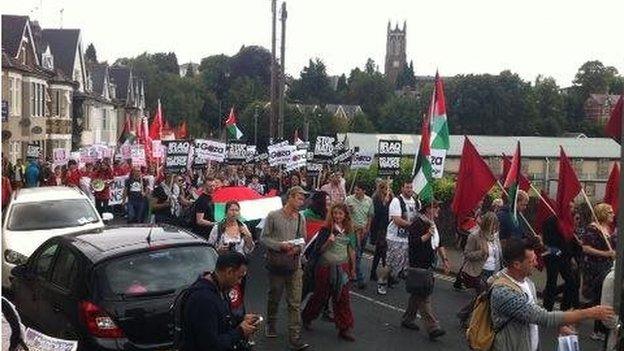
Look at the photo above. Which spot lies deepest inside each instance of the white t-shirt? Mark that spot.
(533, 327)
(491, 263)
(395, 210)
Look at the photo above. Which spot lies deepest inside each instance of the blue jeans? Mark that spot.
(135, 211)
(359, 274)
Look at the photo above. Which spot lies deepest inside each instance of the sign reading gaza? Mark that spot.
(389, 157)
(177, 154)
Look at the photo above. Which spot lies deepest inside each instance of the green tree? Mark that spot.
(406, 77)
(369, 89)
(550, 106)
(313, 85)
(342, 89)
(594, 78)
(215, 74)
(401, 114)
(165, 62)
(360, 123)
(190, 73)
(254, 62)
(90, 54)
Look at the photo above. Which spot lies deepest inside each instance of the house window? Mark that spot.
(57, 102)
(104, 119)
(11, 95)
(32, 99)
(17, 101)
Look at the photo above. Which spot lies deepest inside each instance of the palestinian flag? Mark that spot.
(512, 182)
(230, 124)
(253, 205)
(422, 170)
(127, 135)
(437, 112)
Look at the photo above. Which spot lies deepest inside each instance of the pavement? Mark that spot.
(377, 318)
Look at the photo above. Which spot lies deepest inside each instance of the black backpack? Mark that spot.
(177, 309)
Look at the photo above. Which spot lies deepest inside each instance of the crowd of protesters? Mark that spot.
(401, 230)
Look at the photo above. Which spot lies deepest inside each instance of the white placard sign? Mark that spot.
(59, 156)
(33, 151)
(297, 160)
(324, 146)
(209, 150)
(280, 155)
(437, 158)
(117, 190)
(362, 160)
(389, 157)
(137, 154)
(157, 149)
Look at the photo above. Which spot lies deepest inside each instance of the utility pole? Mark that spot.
(282, 82)
(273, 113)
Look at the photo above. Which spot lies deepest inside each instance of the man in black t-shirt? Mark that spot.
(204, 210)
(134, 196)
(160, 201)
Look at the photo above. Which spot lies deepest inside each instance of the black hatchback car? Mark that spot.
(112, 289)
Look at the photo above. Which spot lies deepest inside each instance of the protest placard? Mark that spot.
(314, 169)
(209, 150)
(389, 157)
(117, 190)
(362, 160)
(59, 156)
(178, 152)
(324, 148)
(137, 154)
(236, 153)
(33, 151)
(280, 154)
(252, 150)
(157, 149)
(297, 160)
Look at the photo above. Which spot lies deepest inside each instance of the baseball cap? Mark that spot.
(296, 190)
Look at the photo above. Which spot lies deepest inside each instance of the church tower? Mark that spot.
(395, 52)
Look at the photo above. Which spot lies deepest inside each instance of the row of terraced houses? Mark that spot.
(53, 98)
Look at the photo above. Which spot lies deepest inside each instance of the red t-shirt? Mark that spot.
(73, 178)
(105, 175)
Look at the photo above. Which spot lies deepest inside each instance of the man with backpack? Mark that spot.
(204, 320)
(508, 317)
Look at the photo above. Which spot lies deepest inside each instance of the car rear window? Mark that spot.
(51, 214)
(158, 272)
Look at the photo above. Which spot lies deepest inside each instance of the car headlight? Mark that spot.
(14, 257)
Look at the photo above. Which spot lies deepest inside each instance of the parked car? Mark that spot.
(36, 214)
(112, 289)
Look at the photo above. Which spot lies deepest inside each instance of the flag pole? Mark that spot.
(353, 181)
(542, 199)
(591, 208)
(520, 213)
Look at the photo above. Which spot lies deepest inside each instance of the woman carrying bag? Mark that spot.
(334, 249)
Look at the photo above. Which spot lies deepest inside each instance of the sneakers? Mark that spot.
(298, 345)
(381, 289)
(346, 335)
(270, 331)
(597, 336)
(436, 334)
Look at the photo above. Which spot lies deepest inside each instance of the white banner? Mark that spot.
(437, 158)
(209, 150)
(157, 149)
(324, 146)
(362, 160)
(117, 190)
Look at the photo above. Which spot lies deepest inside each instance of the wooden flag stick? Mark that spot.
(520, 213)
(591, 208)
(542, 199)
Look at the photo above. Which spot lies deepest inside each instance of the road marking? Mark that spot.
(377, 302)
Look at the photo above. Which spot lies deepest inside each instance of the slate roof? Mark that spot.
(97, 72)
(120, 75)
(12, 30)
(63, 45)
(494, 146)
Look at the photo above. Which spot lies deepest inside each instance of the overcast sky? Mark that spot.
(529, 37)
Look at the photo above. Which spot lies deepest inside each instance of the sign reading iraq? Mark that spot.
(389, 157)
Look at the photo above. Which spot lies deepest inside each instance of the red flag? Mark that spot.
(523, 181)
(474, 180)
(182, 131)
(545, 207)
(155, 130)
(568, 187)
(613, 188)
(614, 125)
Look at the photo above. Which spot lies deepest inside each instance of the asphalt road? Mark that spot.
(377, 319)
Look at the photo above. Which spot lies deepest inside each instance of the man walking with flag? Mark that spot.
(518, 200)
